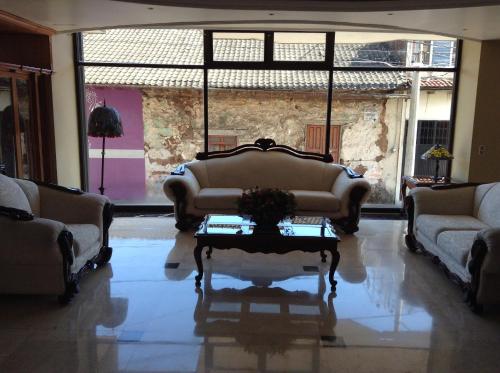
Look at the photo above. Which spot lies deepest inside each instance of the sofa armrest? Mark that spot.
(36, 240)
(72, 208)
(343, 188)
(490, 240)
(455, 201)
(177, 184)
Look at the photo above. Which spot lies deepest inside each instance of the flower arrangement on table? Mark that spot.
(438, 153)
(266, 207)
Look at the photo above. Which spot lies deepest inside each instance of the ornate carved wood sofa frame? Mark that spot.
(459, 226)
(213, 183)
(49, 243)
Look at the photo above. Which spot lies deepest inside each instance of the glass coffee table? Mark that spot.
(303, 233)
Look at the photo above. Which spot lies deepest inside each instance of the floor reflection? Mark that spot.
(46, 337)
(255, 328)
(394, 312)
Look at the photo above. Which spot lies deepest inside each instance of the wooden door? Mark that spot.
(315, 140)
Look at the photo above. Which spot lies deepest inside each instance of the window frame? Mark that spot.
(268, 64)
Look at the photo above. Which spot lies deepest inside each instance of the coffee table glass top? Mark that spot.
(300, 226)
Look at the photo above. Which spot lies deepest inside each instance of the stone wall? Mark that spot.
(370, 136)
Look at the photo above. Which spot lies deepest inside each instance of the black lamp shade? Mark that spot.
(105, 121)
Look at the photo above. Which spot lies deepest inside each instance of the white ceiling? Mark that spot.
(477, 22)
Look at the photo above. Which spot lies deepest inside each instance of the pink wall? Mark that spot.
(125, 170)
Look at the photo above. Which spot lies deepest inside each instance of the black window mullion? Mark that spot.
(329, 48)
(268, 48)
(208, 55)
(208, 46)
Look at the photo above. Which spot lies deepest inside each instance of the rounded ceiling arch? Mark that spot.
(320, 5)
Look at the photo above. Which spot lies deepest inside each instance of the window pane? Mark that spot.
(380, 50)
(158, 46)
(7, 129)
(380, 136)
(299, 46)
(250, 104)
(162, 118)
(26, 132)
(238, 47)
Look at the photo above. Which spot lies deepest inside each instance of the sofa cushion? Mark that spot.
(32, 192)
(218, 198)
(269, 169)
(457, 244)
(432, 225)
(85, 237)
(11, 195)
(308, 200)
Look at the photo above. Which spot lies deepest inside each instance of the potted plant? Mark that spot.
(266, 207)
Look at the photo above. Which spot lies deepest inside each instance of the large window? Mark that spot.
(382, 98)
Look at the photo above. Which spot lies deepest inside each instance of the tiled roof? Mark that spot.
(436, 83)
(167, 46)
(247, 79)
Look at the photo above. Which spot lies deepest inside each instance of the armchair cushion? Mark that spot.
(432, 225)
(457, 244)
(218, 198)
(11, 195)
(31, 191)
(308, 200)
(85, 237)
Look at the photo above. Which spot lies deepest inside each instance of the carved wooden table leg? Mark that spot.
(323, 256)
(199, 263)
(209, 252)
(333, 267)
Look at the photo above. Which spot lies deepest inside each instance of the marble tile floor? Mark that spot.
(393, 312)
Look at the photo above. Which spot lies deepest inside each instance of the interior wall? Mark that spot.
(485, 165)
(466, 107)
(65, 111)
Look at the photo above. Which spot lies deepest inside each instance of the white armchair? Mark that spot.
(49, 236)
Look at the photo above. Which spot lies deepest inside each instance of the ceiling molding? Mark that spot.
(277, 25)
(319, 5)
(17, 24)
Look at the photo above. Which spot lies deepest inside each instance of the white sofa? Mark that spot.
(460, 226)
(214, 185)
(49, 235)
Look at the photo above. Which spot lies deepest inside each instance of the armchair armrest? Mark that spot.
(34, 241)
(72, 208)
(454, 201)
(16, 214)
